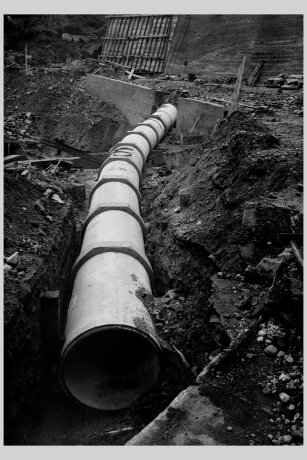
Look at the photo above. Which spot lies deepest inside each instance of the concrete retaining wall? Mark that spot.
(135, 102)
(188, 112)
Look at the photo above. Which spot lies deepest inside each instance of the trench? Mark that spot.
(42, 413)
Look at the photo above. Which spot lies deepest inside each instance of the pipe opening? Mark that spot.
(110, 368)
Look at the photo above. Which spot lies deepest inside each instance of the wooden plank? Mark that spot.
(255, 74)
(12, 158)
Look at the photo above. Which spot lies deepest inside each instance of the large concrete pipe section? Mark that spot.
(111, 353)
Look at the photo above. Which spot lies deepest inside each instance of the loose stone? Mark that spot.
(270, 350)
(284, 397)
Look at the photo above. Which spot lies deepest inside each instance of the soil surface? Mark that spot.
(209, 224)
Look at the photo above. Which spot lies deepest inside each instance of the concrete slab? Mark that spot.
(211, 414)
(204, 114)
(189, 420)
(135, 102)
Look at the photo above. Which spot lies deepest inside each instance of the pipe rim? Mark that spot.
(108, 327)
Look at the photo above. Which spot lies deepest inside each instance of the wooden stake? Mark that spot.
(130, 74)
(236, 93)
(26, 58)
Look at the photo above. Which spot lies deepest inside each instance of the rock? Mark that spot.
(300, 187)
(13, 259)
(284, 377)
(185, 198)
(56, 198)
(176, 306)
(286, 255)
(284, 398)
(262, 333)
(48, 193)
(280, 354)
(268, 267)
(76, 192)
(289, 359)
(270, 350)
(147, 227)
(220, 274)
(298, 436)
(39, 206)
(260, 339)
(7, 268)
(171, 294)
(165, 346)
(229, 428)
(286, 439)
(177, 209)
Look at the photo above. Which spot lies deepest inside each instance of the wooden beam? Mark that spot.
(236, 93)
(12, 158)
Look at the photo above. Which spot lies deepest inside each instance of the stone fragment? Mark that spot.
(270, 350)
(289, 359)
(7, 268)
(56, 198)
(171, 294)
(48, 193)
(13, 259)
(76, 192)
(284, 398)
(185, 198)
(298, 435)
(284, 377)
(229, 428)
(262, 332)
(177, 209)
(286, 439)
(280, 354)
(268, 267)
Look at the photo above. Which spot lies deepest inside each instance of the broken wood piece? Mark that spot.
(55, 167)
(134, 75)
(255, 74)
(118, 430)
(234, 345)
(13, 158)
(185, 362)
(130, 74)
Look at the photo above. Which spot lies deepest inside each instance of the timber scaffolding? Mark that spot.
(141, 42)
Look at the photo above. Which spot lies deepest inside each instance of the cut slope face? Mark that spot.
(213, 45)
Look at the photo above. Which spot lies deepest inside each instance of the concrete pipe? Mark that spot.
(111, 354)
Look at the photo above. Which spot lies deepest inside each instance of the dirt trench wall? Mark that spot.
(213, 45)
(26, 366)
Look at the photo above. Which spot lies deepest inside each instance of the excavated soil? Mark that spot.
(198, 228)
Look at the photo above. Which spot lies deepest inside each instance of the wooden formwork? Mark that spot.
(139, 41)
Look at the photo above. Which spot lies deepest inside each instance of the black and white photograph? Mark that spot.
(153, 229)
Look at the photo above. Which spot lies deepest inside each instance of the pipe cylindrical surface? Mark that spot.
(111, 353)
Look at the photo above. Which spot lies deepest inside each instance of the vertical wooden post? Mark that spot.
(236, 93)
(26, 58)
